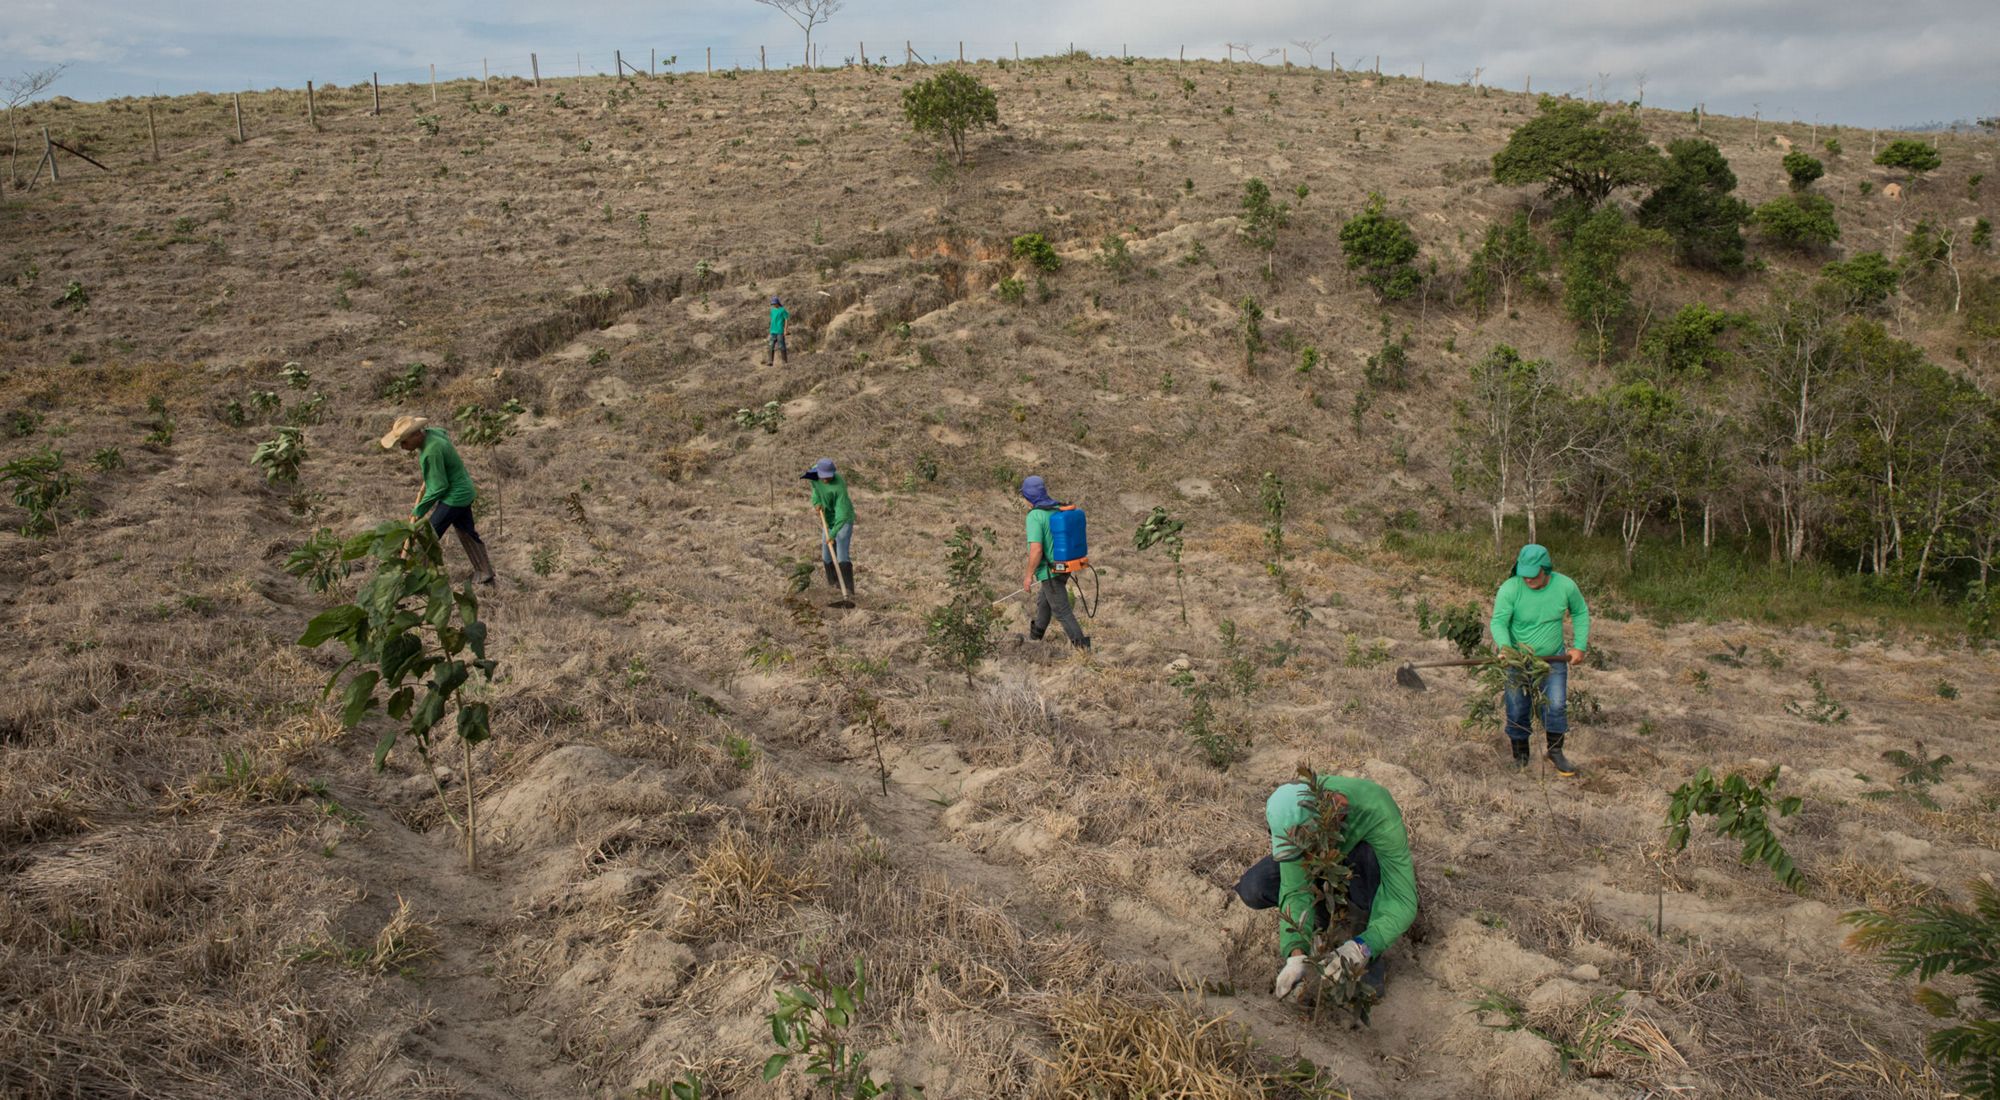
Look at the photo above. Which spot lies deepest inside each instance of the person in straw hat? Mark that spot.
(447, 493)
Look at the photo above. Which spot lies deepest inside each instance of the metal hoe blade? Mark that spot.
(1406, 676)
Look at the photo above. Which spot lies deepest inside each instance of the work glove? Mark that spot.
(1352, 956)
(1291, 977)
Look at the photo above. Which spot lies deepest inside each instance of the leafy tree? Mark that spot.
(1801, 222)
(1803, 168)
(1577, 153)
(1595, 295)
(1514, 433)
(1035, 248)
(1687, 345)
(1741, 808)
(1694, 206)
(1511, 254)
(1947, 938)
(408, 630)
(1863, 280)
(1262, 219)
(1383, 249)
(1912, 156)
(948, 105)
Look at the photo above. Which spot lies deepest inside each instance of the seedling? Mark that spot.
(811, 1023)
(1740, 807)
(281, 457)
(479, 426)
(1920, 772)
(1164, 531)
(39, 485)
(1317, 841)
(1821, 709)
(408, 630)
(406, 383)
(1944, 938)
(318, 562)
(959, 632)
(769, 417)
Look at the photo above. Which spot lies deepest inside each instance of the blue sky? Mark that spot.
(1870, 64)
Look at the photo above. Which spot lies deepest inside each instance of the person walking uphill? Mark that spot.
(1053, 599)
(1381, 887)
(779, 315)
(1528, 611)
(836, 513)
(447, 493)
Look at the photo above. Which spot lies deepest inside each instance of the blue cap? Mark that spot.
(1036, 492)
(822, 470)
(774, 300)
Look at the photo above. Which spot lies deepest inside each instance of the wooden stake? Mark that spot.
(961, 51)
(652, 63)
(908, 53)
(761, 66)
(49, 151)
(863, 47)
(375, 79)
(154, 133)
(471, 830)
(485, 75)
(618, 63)
(711, 60)
(1183, 57)
(579, 63)
(535, 66)
(237, 102)
(1529, 87)
(434, 83)
(1378, 64)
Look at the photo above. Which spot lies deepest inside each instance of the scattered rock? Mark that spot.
(1585, 973)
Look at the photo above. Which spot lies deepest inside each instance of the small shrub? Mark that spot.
(74, 297)
(1803, 168)
(1821, 709)
(811, 1023)
(281, 457)
(295, 376)
(479, 426)
(959, 632)
(1116, 257)
(1035, 248)
(405, 384)
(1920, 772)
(545, 559)
(770, 417)
(948, 106)
(39, 485)
(1801, 222)
(1912, 156)
(1383, 249)
(1011, 290)
(318, 561)
(1462, 625)
(1740, 807)
(1164, 531)
(108, 459)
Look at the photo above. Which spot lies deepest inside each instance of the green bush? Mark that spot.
(404, 384)
(1035, 248)
(949, 105)
(1383, 249)
(281, 457)
(1694, 206)
(1914, 157)
(1687, 345)
(479, 426)
(1802, 222)
(1261, 220)
(1862, 280)
(1803, 168)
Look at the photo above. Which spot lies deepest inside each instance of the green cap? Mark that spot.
(1533, 561)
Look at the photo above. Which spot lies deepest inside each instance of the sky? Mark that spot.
(1883, 63)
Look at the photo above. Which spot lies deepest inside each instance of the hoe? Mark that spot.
(1406, 675)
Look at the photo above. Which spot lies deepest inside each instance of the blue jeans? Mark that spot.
(842, 536)
(777, 348)
(1555, 719)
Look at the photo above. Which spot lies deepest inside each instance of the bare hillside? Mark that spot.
(699, 776)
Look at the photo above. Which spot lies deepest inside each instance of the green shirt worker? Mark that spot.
(836, 511)
(779, 315)
(1381, 887)
(1528, 612)
(1053, 599)
(447, 493)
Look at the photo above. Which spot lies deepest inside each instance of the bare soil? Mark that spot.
(208, 893)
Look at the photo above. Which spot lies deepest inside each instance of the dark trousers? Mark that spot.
(457, 516)
(1259, 885)
(1052, 599)
(776, 349)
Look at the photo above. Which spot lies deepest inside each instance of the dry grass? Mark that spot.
(1123, 1047)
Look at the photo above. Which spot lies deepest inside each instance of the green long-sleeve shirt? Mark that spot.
(1372, 817)
(1534, 617)
(830, 497)
(445, 479)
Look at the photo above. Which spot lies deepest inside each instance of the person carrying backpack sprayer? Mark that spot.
(836, 527)
(1057, 549)
(779, 315)
(1528, 613)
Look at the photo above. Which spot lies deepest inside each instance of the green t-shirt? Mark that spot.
(779, 315)
(1372, 816)
(445, 479)
(830, 497)
(1534, 617)
(1038, 532)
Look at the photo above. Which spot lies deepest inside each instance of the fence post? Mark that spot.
(761, 65)
(863, 47)
(49, 151)
(1378, 64)
(153, 133)
(1183, 57)
(485, 75)
(961, 51)
(236, 101)
(579, 64)
(1529, 87)
(434, 83)
(618, 63)
(535, 66)
(908, 53)
(652, 62)
(312, 108)
(375, 80)
(1288, 56)
(711, 60)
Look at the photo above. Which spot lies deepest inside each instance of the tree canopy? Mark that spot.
(1577, 153)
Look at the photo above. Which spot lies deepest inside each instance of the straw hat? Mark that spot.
(403, 426)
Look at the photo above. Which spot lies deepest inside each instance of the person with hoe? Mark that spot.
(447, 493)
(779, 315)
(1528, 613)
(836, 520)
(1381, 887)
(1053, 598)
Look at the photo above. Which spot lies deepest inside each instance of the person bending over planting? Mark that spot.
(1053, 599)
(447, 492)
(836, 513)
(1528, 613)
(1381, 887)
